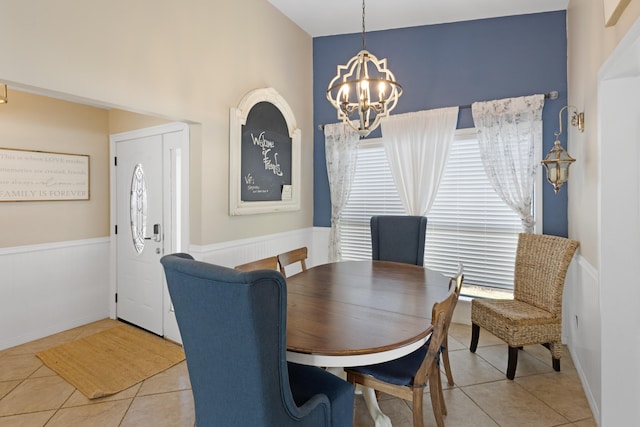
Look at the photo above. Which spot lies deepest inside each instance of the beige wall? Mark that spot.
(182, 61)
(125, 121)
(204, 62)
(42, 123)
(589, 45)
(32, 122)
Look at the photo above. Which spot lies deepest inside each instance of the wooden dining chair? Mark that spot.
(455, 282)
(270, 263)
(534, 315)
(408, 376)
(292, 257)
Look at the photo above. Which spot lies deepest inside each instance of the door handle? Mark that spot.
(157, 236)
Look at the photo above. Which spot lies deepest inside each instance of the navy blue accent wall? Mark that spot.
(456, 64)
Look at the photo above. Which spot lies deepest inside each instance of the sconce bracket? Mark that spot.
(577, 119)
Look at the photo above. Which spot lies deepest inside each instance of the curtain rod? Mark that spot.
(551, 95)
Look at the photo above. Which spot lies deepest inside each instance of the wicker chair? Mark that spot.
(534, 315)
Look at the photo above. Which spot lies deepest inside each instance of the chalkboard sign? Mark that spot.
(265, 154)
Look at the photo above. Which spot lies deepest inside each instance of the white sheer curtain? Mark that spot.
(417, 146)
(341, 151)
(510, 140)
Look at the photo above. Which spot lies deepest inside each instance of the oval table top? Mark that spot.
(359, 312)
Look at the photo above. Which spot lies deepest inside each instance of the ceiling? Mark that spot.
(331, 17)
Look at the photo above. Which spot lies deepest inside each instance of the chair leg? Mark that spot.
(475, 335)
(555, 349)
(445, 361)
(443, 405)
(436, 401)
(513, 361)
(418, 396)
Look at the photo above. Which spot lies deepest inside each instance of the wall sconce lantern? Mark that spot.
(364, 90)
(3, 94)
(557, 161)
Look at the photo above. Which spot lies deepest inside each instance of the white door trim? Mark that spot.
(175, 152)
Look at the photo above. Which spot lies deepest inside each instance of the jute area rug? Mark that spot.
(113, 360)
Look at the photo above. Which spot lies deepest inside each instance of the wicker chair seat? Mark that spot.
(517, 322)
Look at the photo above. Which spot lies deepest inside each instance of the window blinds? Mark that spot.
(468, 222)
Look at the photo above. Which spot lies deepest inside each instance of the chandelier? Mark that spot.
(364, 91)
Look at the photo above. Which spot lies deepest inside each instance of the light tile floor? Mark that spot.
(31, 395)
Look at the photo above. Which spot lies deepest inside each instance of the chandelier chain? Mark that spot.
(364, 40)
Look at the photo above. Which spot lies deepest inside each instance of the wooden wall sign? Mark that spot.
(29, 176)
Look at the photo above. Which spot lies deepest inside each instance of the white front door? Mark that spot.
(140, 243)
(150, 197)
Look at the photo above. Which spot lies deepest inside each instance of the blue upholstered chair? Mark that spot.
(233, 327)
(398, 238)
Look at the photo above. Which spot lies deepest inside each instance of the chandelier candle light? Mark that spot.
(364, 91)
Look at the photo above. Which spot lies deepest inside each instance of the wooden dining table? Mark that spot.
(360, 312)
(356, 313)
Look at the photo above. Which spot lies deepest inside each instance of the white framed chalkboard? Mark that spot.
(264, 153)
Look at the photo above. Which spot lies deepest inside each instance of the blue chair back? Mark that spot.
(233, 328)
(398, 238)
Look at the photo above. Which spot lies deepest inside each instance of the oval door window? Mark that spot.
(138, 208)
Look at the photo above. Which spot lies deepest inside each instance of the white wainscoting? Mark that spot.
(230, 254)
(581, 329)
(54, 287)
(49, 288)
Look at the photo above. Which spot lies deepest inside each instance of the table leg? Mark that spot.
(369, 394)
(380, 419)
